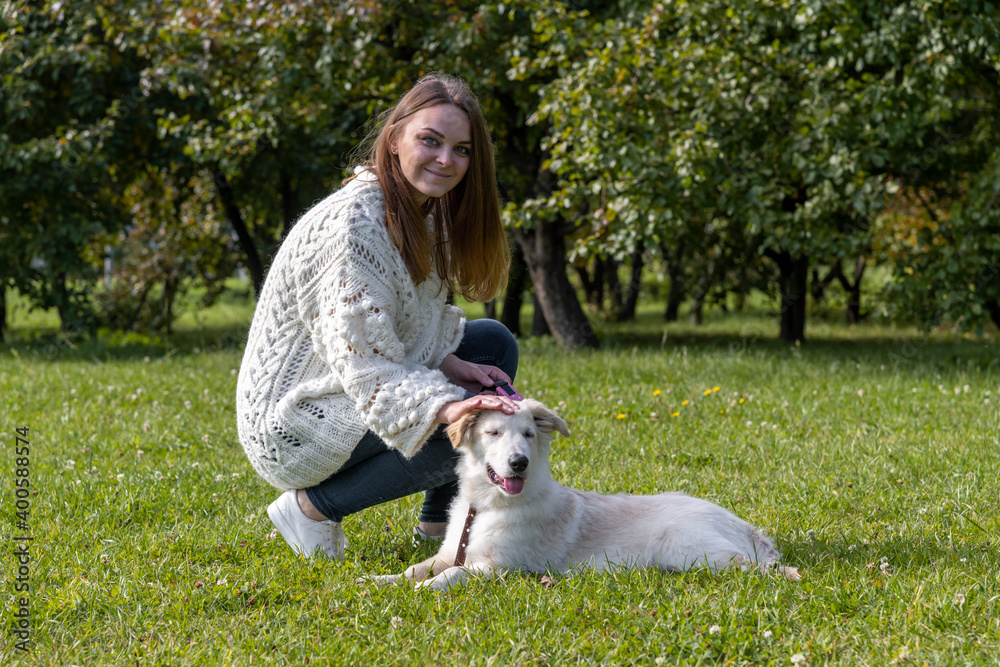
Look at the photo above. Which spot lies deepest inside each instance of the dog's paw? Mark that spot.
(380, 579)
(453, 576)
(789, 573)
(434, 584)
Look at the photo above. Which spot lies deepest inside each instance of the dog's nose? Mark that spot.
(518, 463)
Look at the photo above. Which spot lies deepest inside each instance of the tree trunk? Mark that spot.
(817, 286)
(3, 313)
(593, 288)
(544, 251)
(544, 248)
(140, 303)
(741, 301)
(539, 327)
(854, 315)
(609, 267)
(170, 289)
(513, 299)
(794, 278)
(631, 299)
(289, 203)
(993, 308)
(701, 293)
(69, 317)
(675, 294)
(743, 289)
(253, 262)
(59, 297)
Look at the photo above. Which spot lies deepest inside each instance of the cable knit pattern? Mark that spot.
(342, 342)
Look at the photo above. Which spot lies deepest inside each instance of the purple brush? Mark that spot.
(506, 389)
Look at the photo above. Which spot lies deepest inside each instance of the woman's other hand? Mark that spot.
(469, 376)
(452, 412)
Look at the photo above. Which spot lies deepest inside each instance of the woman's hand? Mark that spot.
(452, 412)
(469, 376)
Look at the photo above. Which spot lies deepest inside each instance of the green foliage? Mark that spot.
(739, 130)
(178, 240)
(944, 233)
(68, 94)
(737, 138)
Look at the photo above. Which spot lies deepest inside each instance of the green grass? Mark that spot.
(870, 455)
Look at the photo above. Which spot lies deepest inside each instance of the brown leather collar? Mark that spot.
(464, 542)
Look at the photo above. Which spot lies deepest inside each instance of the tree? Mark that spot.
(942, 229)
(263, 102)
(249, 82)
(738, 118)
(178, 238)
(747, 142)
(489, 42)
(70, 118)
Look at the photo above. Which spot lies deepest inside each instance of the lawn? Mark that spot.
(870, 455)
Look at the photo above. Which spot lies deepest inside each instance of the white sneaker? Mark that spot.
(305, 536)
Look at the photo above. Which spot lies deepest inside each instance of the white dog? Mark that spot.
(523, 519)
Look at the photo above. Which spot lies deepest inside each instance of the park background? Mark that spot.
(757, 259)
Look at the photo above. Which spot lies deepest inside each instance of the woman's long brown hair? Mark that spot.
(468, 246)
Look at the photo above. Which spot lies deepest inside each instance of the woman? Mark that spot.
(354, 358)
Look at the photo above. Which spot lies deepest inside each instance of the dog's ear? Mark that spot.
(546, 420)
(459, 432)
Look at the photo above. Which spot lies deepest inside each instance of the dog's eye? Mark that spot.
(492, 431)
(529, 434)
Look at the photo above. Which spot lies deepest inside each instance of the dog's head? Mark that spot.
(502, 453)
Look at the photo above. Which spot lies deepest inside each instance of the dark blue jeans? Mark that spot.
(375, 474)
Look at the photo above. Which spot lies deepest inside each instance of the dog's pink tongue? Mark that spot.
(513, 485)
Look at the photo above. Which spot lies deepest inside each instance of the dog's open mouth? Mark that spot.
(512, 485)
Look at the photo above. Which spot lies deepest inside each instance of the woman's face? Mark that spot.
(434, 148)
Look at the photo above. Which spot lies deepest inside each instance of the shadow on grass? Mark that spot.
(738, 336)
(53, 346)
(862, 344)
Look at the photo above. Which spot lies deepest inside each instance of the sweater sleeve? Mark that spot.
(354, 324)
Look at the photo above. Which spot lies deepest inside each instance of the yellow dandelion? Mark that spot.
(741, 401)
(621, 416)
(657, 392)
(722, 412)
(685, 402)
(706, 392)
(716, 388)
(675, 414)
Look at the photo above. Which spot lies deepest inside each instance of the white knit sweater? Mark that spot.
(342, 342)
